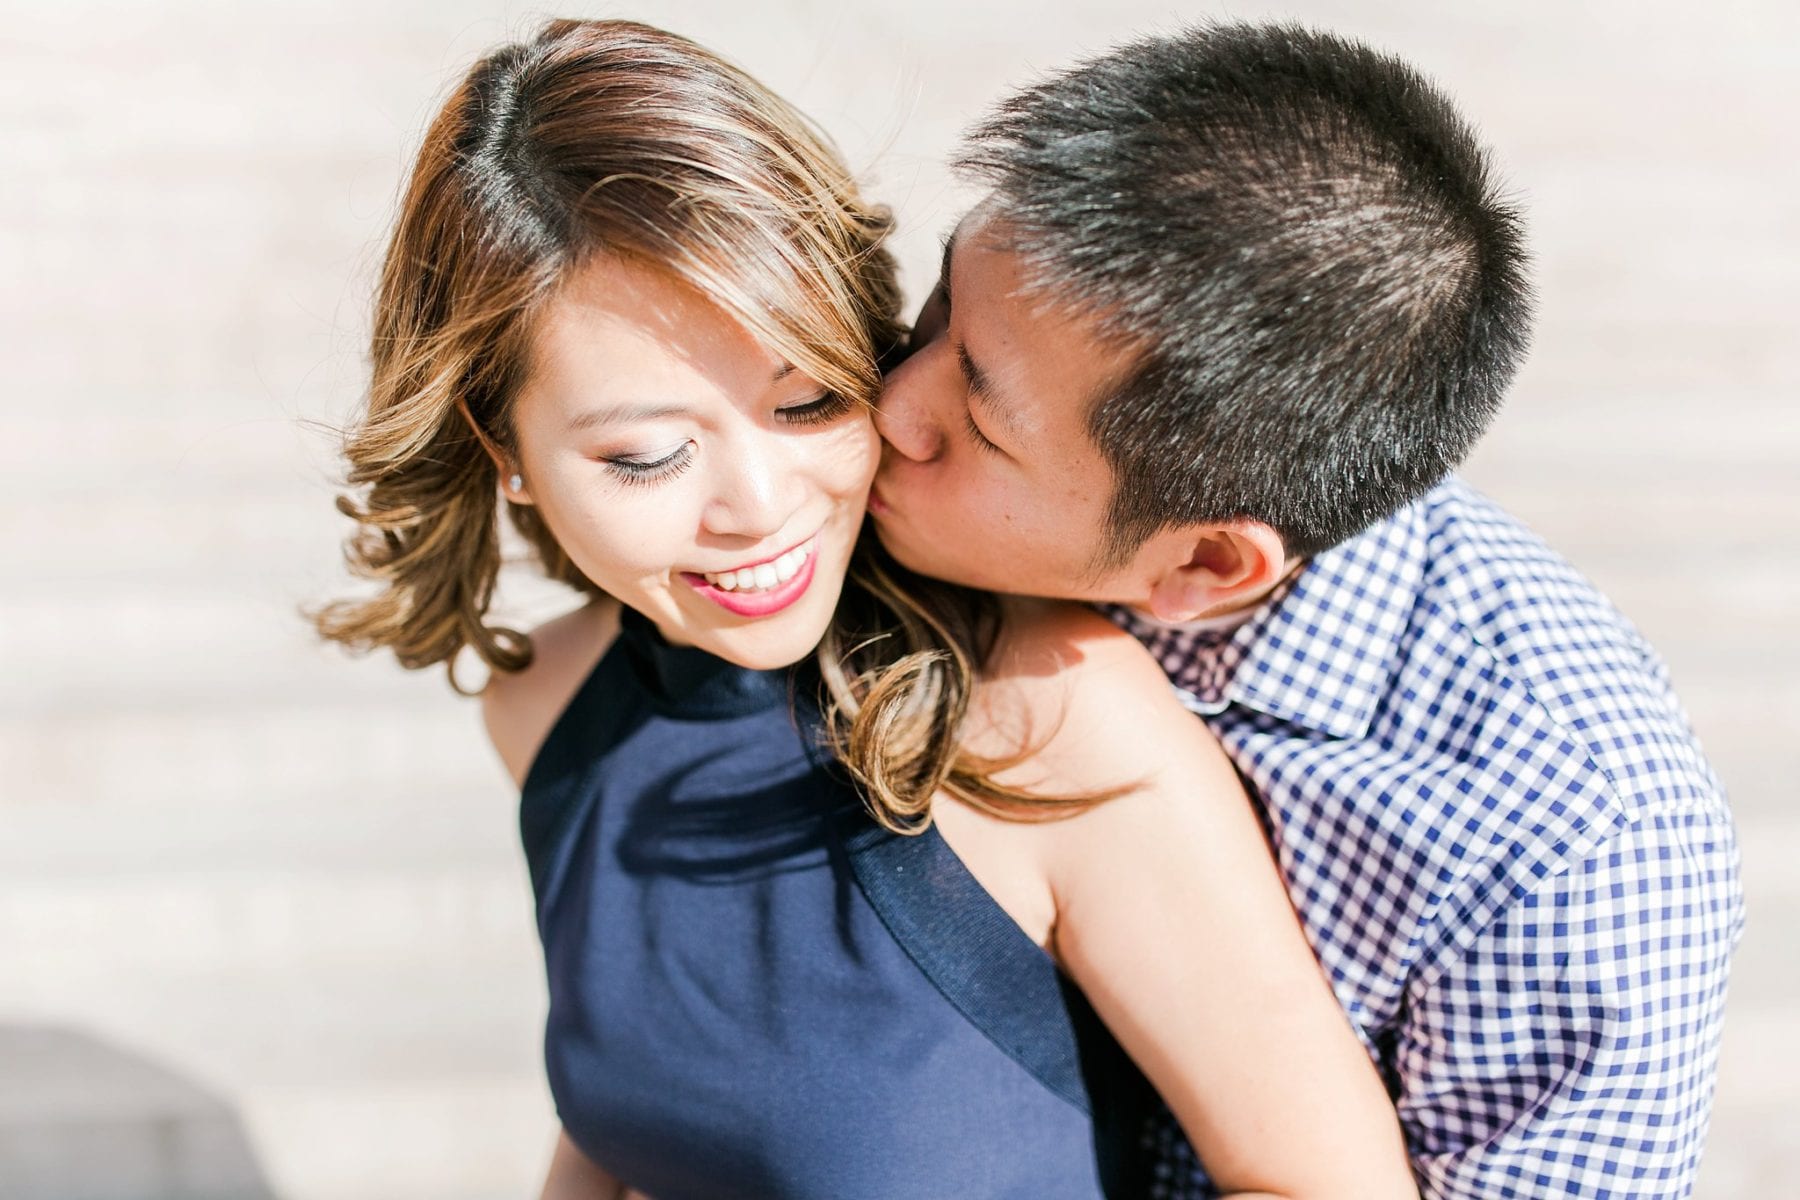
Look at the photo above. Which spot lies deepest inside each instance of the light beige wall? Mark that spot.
(296, 875)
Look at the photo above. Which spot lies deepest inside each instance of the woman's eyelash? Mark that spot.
(828, 407)
(633, 472)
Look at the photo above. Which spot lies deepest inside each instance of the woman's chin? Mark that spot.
(770, 648)
(769, 642)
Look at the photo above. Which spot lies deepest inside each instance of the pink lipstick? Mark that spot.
(740, 591)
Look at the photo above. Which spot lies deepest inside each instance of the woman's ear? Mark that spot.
(512, 482)
(1225, 567)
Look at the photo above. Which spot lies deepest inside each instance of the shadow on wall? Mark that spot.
(81, 1119)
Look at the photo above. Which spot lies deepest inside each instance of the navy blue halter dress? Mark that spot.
(757, 992)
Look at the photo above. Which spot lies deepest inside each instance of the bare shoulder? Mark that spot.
(1039, 633)
(520, 707)
(1103, 716)
(1089, 699)
(1091, 712)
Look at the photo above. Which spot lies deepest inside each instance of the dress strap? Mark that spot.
(969, 948)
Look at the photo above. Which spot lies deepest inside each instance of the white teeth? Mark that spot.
(764, 575)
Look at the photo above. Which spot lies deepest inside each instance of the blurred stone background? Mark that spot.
(278, 890)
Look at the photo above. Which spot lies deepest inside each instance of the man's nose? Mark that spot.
(904, 418)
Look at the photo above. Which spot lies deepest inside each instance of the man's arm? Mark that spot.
(1570, 1050)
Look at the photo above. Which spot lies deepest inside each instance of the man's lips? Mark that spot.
(878, 506)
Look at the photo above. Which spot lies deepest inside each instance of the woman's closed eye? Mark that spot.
(827, 408)
(641, 469)
(637, 469)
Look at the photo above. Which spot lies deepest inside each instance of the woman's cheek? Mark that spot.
(858, 455)
(630, 533)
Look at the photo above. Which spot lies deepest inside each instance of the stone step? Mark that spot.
(237, 920)
(164, 750)
(341, 1021)
(82, 1119)
(378, 783)
(229, 632)
(1752, 1147)
(442, 1138)
(351, 1084)
(385, 828)
(194, 630)
(1585, 406)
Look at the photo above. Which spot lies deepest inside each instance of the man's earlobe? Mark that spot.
(1225, 567)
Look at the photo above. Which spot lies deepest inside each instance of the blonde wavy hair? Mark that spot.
(615, 137)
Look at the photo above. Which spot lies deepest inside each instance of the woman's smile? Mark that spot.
(759, 588)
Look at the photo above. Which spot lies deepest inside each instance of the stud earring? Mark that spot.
(517, 482)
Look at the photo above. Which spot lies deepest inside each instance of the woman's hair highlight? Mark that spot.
(613, 138)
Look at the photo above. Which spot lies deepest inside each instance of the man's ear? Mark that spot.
(1218, 568)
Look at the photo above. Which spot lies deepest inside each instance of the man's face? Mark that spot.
(988, 477)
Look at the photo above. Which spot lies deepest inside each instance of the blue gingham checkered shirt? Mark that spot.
(1507, 850)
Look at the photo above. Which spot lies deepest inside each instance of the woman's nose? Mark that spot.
(755, 495)
(904, 418)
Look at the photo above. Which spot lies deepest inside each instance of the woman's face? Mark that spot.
(687, 470)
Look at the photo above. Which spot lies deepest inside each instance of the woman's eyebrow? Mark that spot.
(619, 414)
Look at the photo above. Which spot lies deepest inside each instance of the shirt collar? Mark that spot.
(1321, 651)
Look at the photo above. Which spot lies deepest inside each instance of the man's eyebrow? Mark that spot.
(620, 414)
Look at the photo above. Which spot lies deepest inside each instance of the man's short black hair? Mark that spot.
(1302, 240)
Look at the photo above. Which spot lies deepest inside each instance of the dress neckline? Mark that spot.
(687, 681)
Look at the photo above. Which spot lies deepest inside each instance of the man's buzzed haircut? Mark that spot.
(1305, 247)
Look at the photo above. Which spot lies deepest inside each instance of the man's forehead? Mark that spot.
(1011, 274)
(980, 242)
(985, 226)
